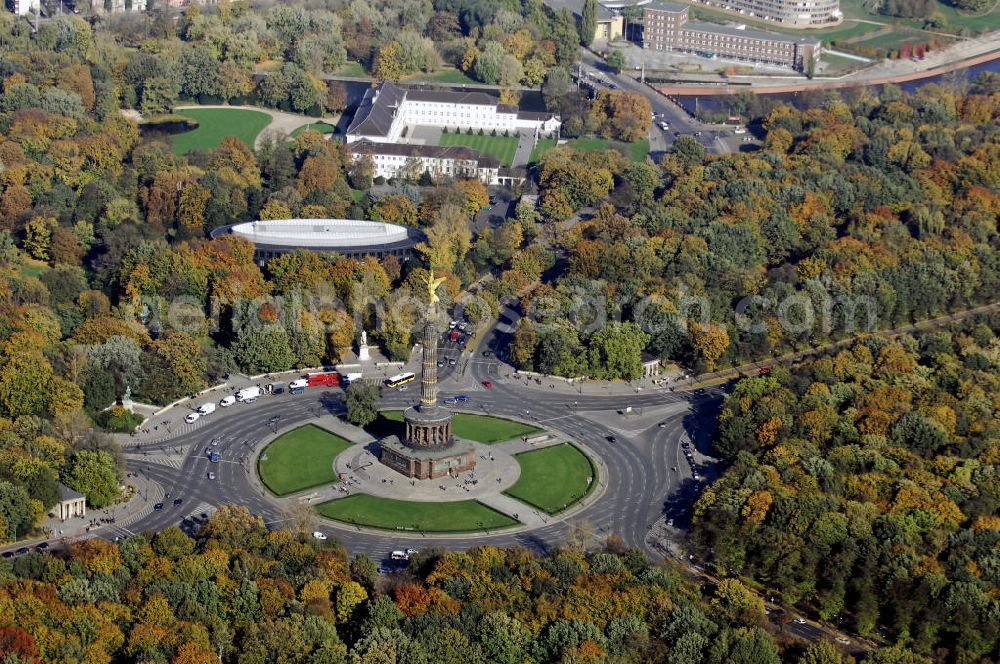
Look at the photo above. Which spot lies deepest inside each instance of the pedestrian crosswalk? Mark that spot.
(169, 460)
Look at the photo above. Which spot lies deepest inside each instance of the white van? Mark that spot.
(298, 383)
(399, 555)
(206, 408)
(225, 402)
(247, 394)
(739, 130)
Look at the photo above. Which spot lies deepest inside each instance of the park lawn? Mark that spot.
(553, 478)
(448, 75)
(300, 459)
(358, 196)
(894, 40)
(215, 124)
(390, 514)
(480, 428)
(321, 127)
(636, 151)
(501, 147)
(837, 64)
(352, 69)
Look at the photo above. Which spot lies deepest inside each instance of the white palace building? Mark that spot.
(387, 110)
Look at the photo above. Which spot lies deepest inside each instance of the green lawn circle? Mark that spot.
(553, 478)
(300, 459)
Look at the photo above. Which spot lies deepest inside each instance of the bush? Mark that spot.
(445, 130)
(118, 420)
(494, 133)
(481, 131)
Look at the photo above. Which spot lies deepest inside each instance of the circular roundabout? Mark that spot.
(521, 476)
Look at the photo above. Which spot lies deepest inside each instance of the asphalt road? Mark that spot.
(639, 483)
(713, 139)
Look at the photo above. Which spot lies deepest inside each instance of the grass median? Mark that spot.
(300, 459)
(553, 478)
(390, 514)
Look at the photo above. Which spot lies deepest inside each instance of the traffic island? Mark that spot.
(553, 478)
(300, 459)
(418, 517)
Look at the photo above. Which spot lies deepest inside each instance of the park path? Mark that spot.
(281, 123)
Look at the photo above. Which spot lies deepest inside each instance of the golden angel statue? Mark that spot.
(432, 286)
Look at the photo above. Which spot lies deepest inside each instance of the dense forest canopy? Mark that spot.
(866, 485)
(249, 596)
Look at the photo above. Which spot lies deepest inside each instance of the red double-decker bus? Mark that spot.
(323, 379)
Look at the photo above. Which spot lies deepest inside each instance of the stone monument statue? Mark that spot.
(363, 355)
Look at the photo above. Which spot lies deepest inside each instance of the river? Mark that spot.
(721, 103)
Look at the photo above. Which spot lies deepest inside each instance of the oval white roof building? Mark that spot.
(349, 237)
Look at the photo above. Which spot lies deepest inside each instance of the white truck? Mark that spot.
(206, 408)
(248, 394)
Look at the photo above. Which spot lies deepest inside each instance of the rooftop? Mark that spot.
(457, 152)
(749, 33)
(323, 233)
(66, 493)
(666, 7)
(377, 109)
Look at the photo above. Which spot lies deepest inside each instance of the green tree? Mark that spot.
(588, 22)
(262, 348)
(616, 351)
(15, 511)
(688, 150)
(362, 402)
(616, 60)
(94, 474)
(504, 639)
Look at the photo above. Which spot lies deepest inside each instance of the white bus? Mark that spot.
(400, 379)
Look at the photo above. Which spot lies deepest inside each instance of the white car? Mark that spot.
(799, 621)
(211, 475)
(452, 325)
(318, 535)
(192, 418)
(225, 402)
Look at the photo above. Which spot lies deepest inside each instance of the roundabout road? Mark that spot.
(641, 487)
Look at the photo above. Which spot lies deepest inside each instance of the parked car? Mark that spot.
(318, 535)
(611, 439)
(178, 501)
(42, 546)
(488, 384)
(206, 408)
(225, 402)
(216, 440)
(462, 397)
(799, 621)
(211, 475)
(8, 554)
(22, 551)
(158, 506)
(192, 418)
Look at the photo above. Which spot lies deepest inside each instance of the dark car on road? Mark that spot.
(611, 439)
(22, 551)
(178, 501)
(158, 506)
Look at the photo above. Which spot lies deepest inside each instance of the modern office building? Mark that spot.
(667, 27)
(353, 238)
(387, 109)
(789, 13)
